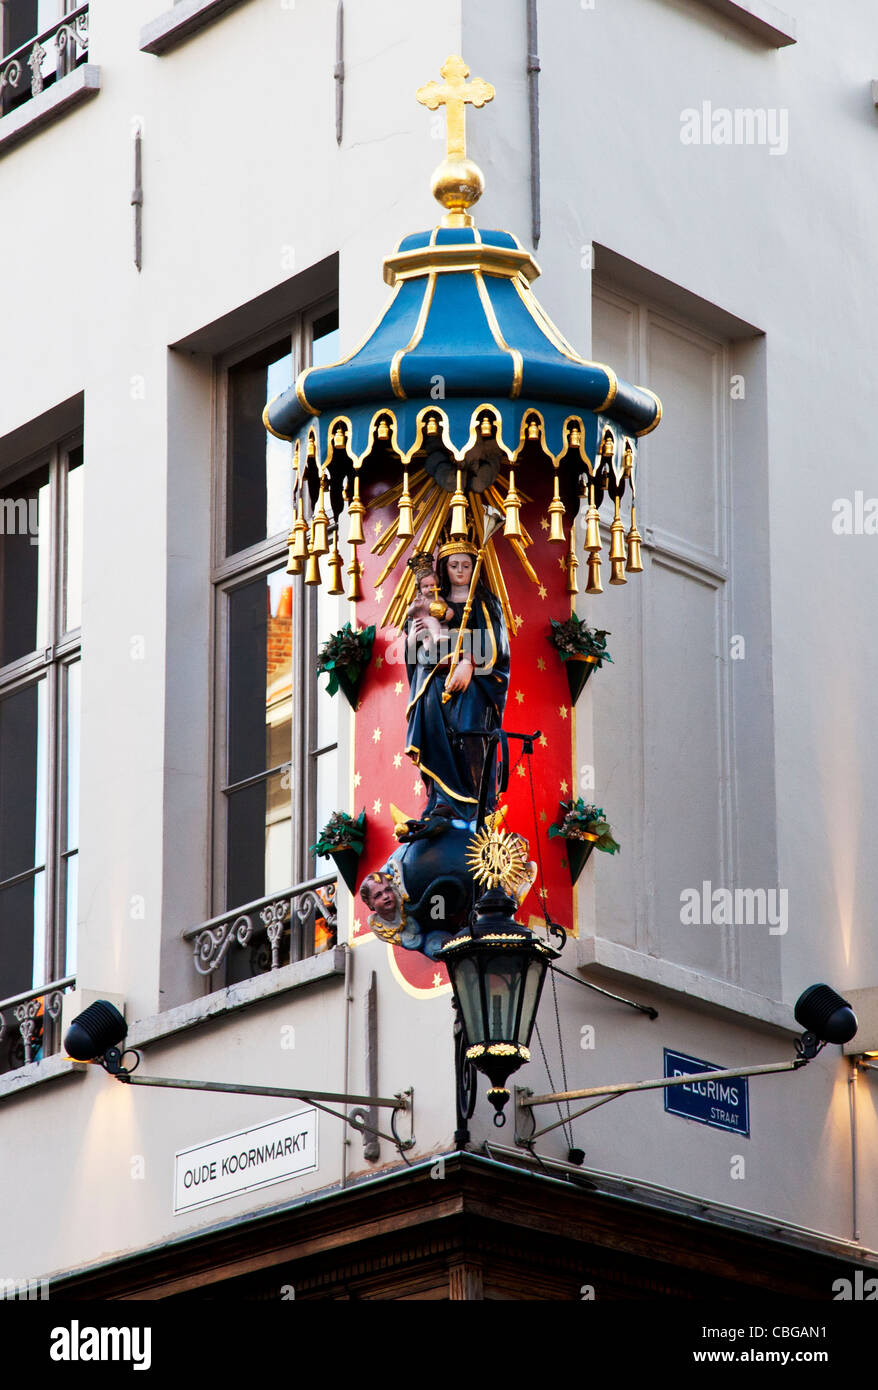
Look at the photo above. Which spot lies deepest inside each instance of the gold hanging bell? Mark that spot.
(405, 526)
(617, 537)
(533, 429)
(336, 565)
(594, 585)
(512, 524)
(572, 564)
(617, 572)
(312, 569)
(592, 522)
(294, 564)
(635, 559)
(319, 527)
(300, 536)
(458, 529)
(355, 570)
(556, 513)
(356, 510)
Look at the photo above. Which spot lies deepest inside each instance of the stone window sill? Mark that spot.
(222, 1002)
(180, 23)
(605, 960)
(49, 105)
(14, 1083)
(759, 17)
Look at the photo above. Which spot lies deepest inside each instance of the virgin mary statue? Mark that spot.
(475, 686)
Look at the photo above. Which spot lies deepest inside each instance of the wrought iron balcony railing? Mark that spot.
(268, 933)
(44, 59)
(30, 1027)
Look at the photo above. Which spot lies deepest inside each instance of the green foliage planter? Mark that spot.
(582, 649)
(344, 659)
(584, 827)
(341, 839)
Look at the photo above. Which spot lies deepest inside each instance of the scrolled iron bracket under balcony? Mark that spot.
(29, 1024)
(32, 93)
(279, 929)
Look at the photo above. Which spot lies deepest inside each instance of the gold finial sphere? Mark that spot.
(457, 184)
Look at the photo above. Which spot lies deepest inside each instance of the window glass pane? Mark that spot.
(23, 749)
(327, 705)
(72, 900)
(260, 466)
(260, 676)
(73, 551)
(260, 840)
(74, 698)
(21, 21)
(324, 340)
(327, 801)
(25, 538)
(22, 935)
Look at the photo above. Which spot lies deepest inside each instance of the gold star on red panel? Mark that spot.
(519, 696)
(437, 980)
(541, 665)
(376, 806)
(543, 817)
(357, 779)
(562, 710)
(519, 622)
(379, 594)
(376, 735)
(520, 770)
(544, 742)
(419, 789)
(563, 786)
(543, 591)
(397, 760)
(544, 522)
(379, 660)
(562, 562)
(397, 689)
(378, 528)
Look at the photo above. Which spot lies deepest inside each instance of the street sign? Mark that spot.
(720, 1104)
(241, 1162)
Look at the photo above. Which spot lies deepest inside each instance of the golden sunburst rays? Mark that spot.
(431, 504)
(499, 858)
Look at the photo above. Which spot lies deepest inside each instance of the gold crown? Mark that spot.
(457, 546)
(421, 564)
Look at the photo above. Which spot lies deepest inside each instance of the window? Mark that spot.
(683, 733)
(276, 743)
(40, 616)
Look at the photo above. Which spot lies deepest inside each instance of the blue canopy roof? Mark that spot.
(462, 329)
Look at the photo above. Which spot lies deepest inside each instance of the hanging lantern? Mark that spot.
(497, 970)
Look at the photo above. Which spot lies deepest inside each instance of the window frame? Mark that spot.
(230, 572)
(51, 663)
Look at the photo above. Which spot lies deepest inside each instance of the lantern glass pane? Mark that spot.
(465, 974)
(503, 981)
(533, 982)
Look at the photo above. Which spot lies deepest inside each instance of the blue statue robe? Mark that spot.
(452, 769)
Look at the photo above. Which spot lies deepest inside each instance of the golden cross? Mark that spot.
(454, 95)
